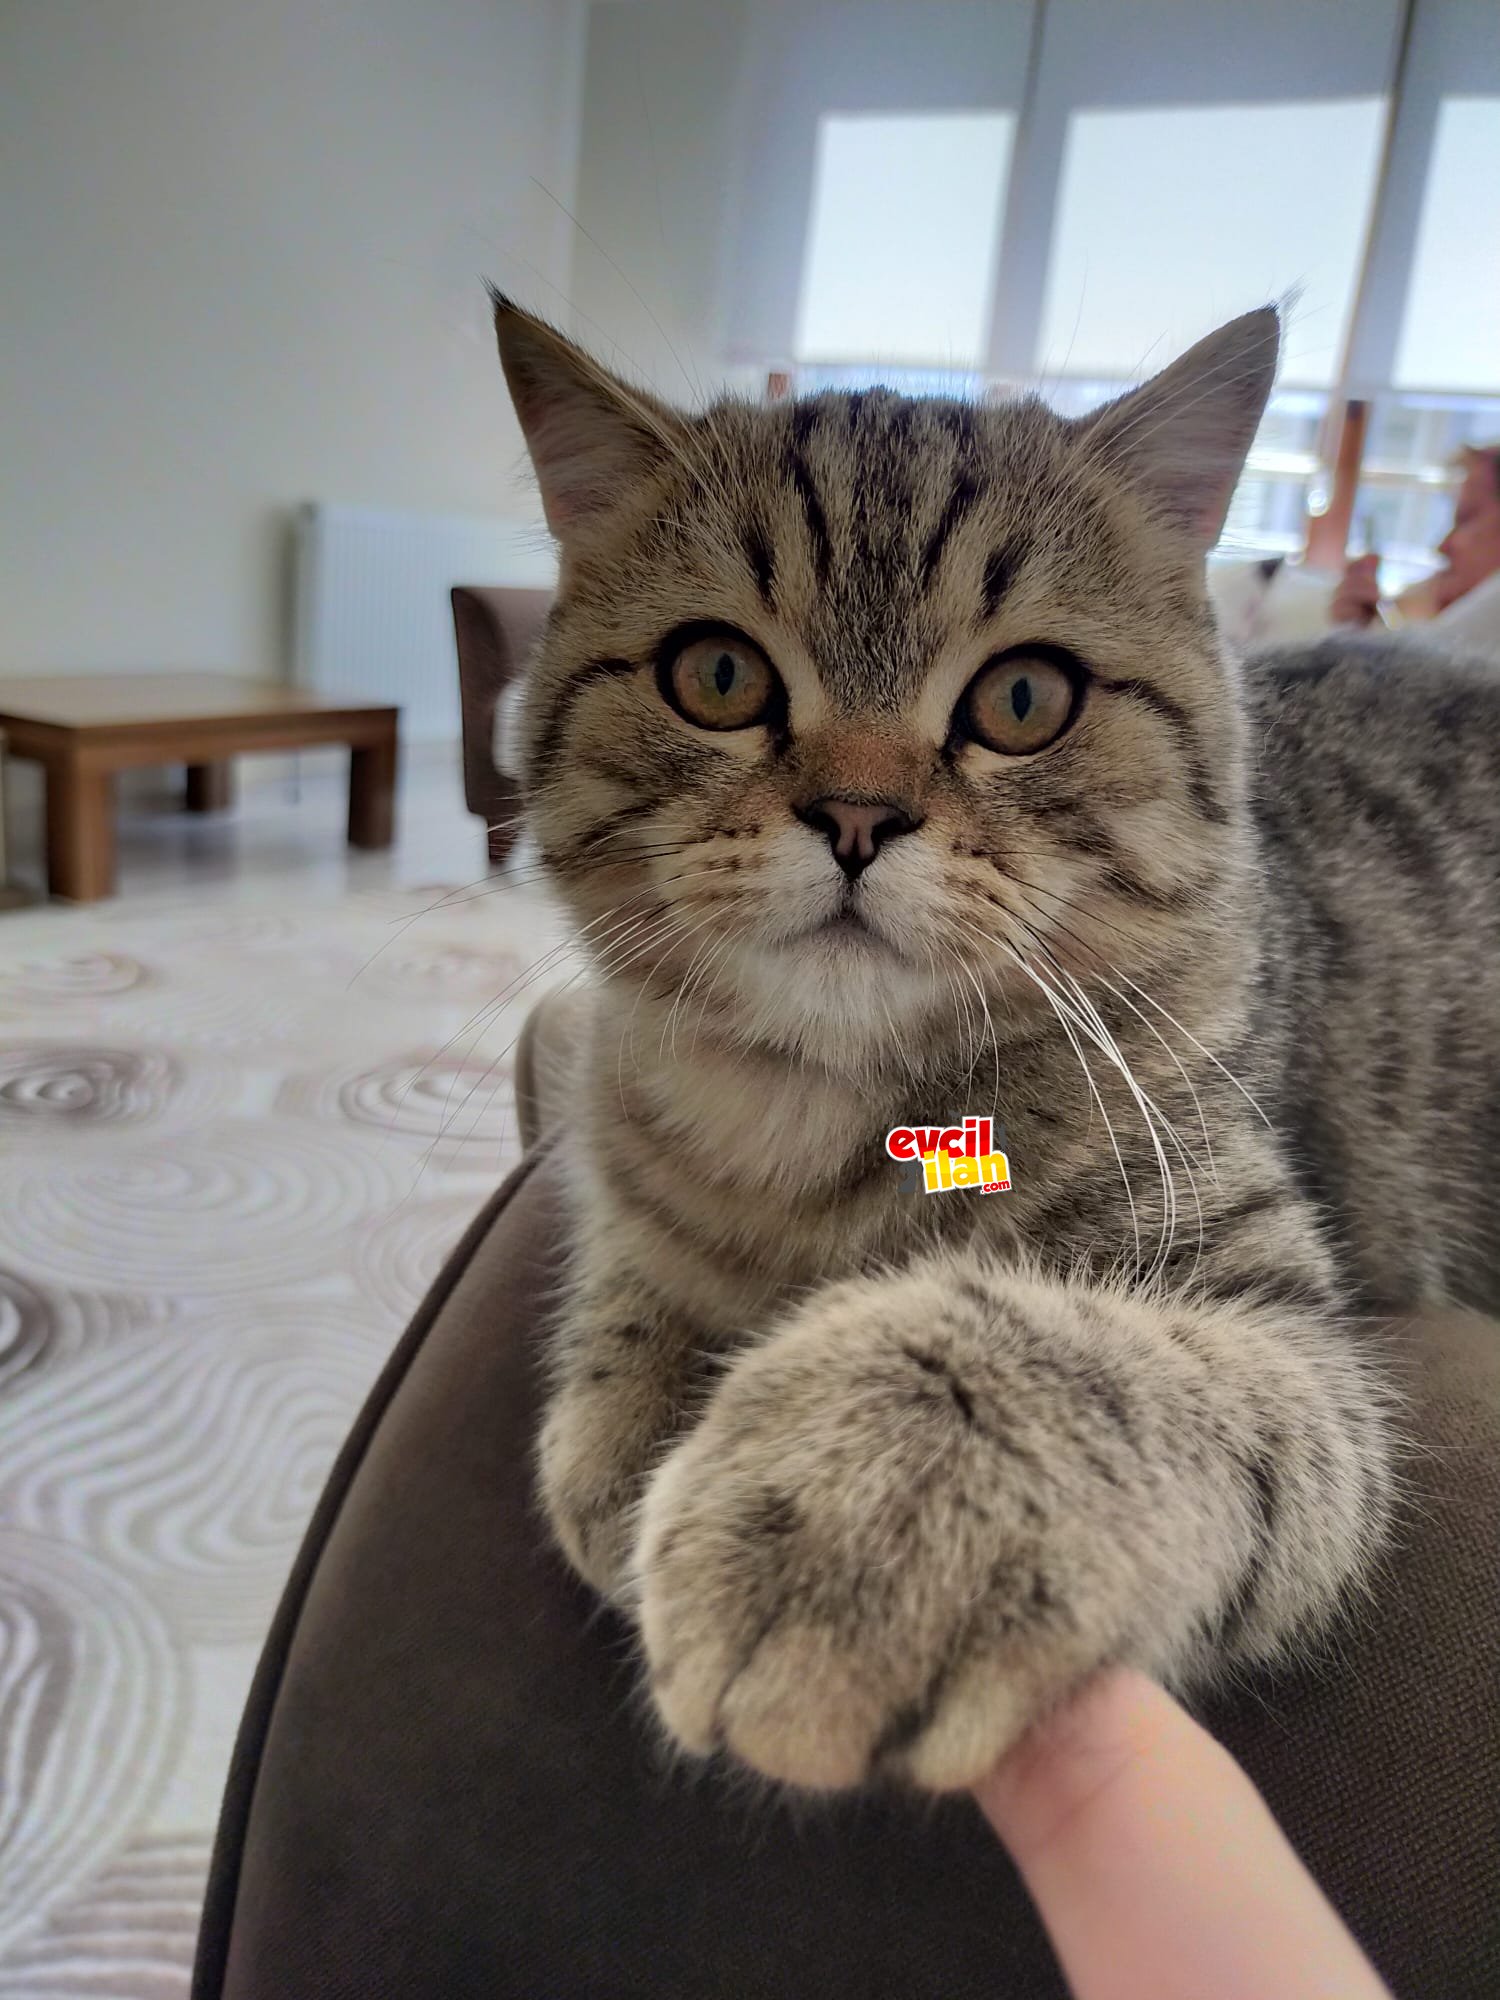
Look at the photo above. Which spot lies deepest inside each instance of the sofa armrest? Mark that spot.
(494, 630)
(446, 1789)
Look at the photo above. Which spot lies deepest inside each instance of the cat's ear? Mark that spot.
(1181, 438)
(590, 435)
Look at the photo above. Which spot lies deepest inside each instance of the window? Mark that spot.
(1404, 503)
(1450, 333)
(900, 253)
(1171, 220)
(966, 196)
(1268, 514)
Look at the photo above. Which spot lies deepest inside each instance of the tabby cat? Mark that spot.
(888, 758)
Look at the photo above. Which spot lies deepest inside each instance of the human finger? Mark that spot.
(1156, 1866)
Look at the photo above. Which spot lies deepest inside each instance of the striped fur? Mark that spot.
(880, 1474)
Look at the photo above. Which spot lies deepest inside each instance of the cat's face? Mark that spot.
(860, 711)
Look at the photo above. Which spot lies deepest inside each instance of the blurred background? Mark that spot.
(244, 248)
(1063, 194)
(261, 489)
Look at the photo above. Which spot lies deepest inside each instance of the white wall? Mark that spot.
(659, 184)
(244, 245)
(698, 146)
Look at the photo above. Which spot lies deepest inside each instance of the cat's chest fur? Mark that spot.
(744, 1122)
(759, 1176)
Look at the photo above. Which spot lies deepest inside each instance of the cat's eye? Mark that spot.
(1020, 703)
(719, 680)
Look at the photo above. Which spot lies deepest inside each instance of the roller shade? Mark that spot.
(877, 146)
(1182, 163)
(903, 233)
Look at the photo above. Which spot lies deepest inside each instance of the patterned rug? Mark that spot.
(236, 1142)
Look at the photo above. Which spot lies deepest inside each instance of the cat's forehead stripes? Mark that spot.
(884, 482)
(762, 561)
(871, 522)
(871, 538)
(999, 574)
(803, 424)
(959, 502)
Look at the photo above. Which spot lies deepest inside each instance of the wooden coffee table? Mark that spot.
(82, 728)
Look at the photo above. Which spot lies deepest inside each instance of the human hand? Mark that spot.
(1156, 1867)
(1357, 599)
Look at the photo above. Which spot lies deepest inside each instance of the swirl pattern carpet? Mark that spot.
(236, 1142)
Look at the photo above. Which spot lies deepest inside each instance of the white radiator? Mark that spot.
(371, 602)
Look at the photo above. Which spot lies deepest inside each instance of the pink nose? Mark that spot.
(856, 829)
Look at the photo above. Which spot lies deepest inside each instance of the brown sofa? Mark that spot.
(445, 1786)
(494, 631)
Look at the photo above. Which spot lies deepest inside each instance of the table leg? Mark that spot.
(80, 832)
(372, 792)
(210, 787)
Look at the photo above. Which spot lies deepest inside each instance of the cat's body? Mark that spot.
(1368, 1030)
(881, 1473)
(1377, 809)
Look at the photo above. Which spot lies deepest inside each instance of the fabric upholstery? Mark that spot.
(446, 1784)
(494, 630)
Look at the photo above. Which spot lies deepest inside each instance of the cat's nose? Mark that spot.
(856, 828)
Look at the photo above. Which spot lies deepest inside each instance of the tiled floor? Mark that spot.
(245, 1109)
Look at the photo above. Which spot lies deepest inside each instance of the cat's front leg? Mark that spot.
(929, 1504)
(627, 1369)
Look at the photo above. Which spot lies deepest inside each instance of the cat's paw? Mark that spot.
(591, 1468)
(901, 1530)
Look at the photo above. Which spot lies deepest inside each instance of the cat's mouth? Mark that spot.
(845, 926)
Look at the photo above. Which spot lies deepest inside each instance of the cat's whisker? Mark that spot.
(1103, 1037)
(1086, 1019)
(961, 1003)
(1077, 1005)
(707, 977)
(1151, 1001)
(1135, 1226)
(1090, 917)
(449, 899)
(667, 924)
(1053, 922)
(715, 966)
(971, 1025)
(684, 988)
(665, 938)
(1203, 1050)
(1156, 1033)
(968, 972)
(684, 984)
(1060, 1011)
(1132, 1082)
(1151, 1112)
(508, 995)
(675, 930)
(544, 870)
(1181, 1068)
(580, 942)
